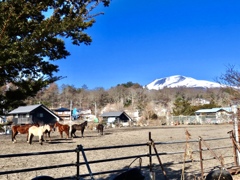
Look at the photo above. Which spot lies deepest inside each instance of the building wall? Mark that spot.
(65, 115)
(22, 119)
(42, 116)
(39, 115)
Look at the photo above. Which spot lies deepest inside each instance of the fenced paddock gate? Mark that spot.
(194, 159)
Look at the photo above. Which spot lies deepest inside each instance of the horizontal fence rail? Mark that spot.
(82, 160)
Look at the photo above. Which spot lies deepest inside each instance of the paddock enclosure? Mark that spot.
(117, 150)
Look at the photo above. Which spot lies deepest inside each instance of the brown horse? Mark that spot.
(62, 128)
(79, 127)
(22, 129)
(100, 128)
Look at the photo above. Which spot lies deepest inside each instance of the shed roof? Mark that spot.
(112, 114)
(61, 109)
(24, 109)
(30, 108)
(214, 110)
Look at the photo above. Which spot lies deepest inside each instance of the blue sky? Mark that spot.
(140, 41)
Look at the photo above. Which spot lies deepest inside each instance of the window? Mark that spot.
(40, 115)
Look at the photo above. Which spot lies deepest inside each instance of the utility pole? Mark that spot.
(95, 109)
(71, 110)
(70, 121)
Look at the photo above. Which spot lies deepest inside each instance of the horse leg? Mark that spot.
(30, 137)
(67, 133)
(27, 137)
(61, 134)
(14, 137)
(82, 132)
(73, 133)
(41, 139)
(49, 137)
(46, 135)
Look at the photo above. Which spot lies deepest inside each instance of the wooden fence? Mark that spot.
(156, 161)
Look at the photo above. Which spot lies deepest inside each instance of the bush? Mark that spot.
(154, 116)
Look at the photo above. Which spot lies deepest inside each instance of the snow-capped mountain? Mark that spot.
(181, 81)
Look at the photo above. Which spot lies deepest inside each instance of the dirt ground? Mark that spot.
(120, 136)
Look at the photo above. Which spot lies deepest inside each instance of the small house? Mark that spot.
(214, 115)
(64, 113)
(33, 114)
(119, 117)
(214, 111)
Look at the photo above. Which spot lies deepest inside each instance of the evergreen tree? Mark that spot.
(182, 106)
(32, 35)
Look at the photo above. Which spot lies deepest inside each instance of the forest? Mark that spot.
(132, 97)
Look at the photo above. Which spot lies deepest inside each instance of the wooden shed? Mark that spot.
(116, 117)
(214, 115)
(33, 114)
(214, 111)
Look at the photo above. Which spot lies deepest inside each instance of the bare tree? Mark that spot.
(231, 78)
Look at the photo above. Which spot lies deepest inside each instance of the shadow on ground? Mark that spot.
(170, 174)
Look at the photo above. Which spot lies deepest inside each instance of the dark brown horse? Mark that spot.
(79, 127)
(100, 128)
(62, 128)
(22, 129)
(47, 133)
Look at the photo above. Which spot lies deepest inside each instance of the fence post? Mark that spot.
(87, 164)
(150, 152)
(235, 128)
(160, 162)
(77, 150)
(234, 148)
(200, 153)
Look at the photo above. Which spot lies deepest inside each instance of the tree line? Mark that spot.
(131, 97)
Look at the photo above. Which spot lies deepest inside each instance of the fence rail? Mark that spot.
(146, 168)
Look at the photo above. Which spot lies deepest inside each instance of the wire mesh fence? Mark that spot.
(201, 119)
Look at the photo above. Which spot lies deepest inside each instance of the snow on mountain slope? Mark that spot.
(181, 81)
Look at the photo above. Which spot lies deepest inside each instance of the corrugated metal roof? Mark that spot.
(24, 109)
(112, 113)
(214, 110)
(206, 111)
